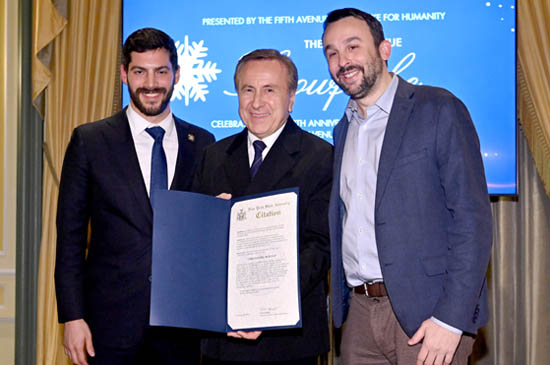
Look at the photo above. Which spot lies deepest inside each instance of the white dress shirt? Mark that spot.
(269, 142)
(358, 187)
(143, 143)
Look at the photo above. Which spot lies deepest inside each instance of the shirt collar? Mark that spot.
(269, 140)
(384, 102)
(138, 124)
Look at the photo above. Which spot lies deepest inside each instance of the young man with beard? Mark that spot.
(111, 168)
(410, 219)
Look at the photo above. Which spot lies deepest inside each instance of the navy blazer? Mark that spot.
(102, 185)
(432, 213)
(296, 159)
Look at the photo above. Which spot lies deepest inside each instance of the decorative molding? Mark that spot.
(7, 298)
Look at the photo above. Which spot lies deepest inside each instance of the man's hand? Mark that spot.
(439, 344)
(247, 335)
(78, 341)
(225, 196)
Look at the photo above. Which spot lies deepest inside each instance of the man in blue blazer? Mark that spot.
(410, 218)
(109, 171)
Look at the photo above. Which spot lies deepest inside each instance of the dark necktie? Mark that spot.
(259, 146)
(159, 171)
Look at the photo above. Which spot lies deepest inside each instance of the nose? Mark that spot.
(343, 59)
(150, 80)
(257, 100)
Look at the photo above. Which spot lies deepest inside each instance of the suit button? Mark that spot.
(150, 279)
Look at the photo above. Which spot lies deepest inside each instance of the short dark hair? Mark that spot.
(147, 39)
(268, 54)
(374, 25)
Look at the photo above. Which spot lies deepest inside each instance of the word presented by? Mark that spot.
(224, 21)
(252, 20)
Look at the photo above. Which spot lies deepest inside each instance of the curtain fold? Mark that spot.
(534, 81)
(82, 72)
(47, 24)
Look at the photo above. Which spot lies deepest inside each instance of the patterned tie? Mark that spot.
(259, 146)
(159, 171)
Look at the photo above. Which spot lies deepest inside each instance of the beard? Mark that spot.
(153, 110)
(370, 77)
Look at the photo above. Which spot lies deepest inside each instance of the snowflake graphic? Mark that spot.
(194, 72)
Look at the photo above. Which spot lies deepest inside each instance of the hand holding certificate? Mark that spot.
(224, 265)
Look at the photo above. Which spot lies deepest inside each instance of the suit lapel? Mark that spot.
(397, 124)
(186, 156)
(125, 158)
(279, 160)
(236, 167)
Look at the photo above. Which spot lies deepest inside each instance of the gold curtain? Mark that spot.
(534, 81)
(78, 87)
(47, 24)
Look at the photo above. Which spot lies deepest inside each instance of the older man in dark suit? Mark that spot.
(274, 153)
(410, 218)
(111, 168)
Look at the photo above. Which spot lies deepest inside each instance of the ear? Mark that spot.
(385, 49)
(123, 75)
(177, 75)
(291, 103)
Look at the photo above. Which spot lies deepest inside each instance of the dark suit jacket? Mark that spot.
(102, 185)
(432, 213)
(297, 159)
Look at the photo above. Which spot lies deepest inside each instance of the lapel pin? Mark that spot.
(191, 137)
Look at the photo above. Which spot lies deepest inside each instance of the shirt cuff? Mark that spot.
(446, 326)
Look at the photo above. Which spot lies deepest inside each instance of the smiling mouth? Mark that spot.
(259, 115)
(348, 73)
(151, 93)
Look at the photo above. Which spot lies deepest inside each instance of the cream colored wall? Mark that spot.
(9, 112)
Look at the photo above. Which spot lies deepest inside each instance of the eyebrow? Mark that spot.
(134, 67)
(270, 86)
(346, 41)
(243, 86)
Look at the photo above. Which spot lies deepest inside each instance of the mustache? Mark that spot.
(349, 68)
(145, 90)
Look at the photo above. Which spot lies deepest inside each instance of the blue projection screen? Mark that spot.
(467, 47)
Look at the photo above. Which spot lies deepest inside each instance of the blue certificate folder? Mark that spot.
(190, 260)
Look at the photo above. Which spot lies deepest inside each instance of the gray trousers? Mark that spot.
(372, 335)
